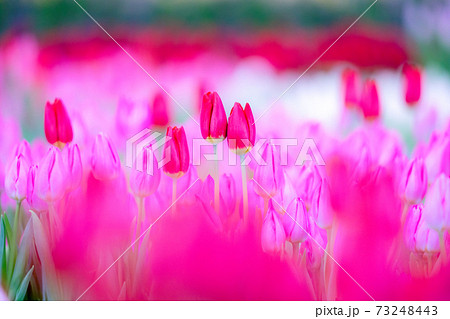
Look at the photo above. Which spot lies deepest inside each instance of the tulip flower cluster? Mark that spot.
(76, 223)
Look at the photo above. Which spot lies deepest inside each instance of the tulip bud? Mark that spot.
(72, 162)
(307, 181)
(272, 231)
(51, 177)
(295, 221)
(213, 120)
(370, 104)
(145, 176)
(418, 235)
(176, 151)
(350, 79)
(16, 178)
(321, 206)
(57, 126)
(269, 175)
(228, 194)
(23, 148)
(241, 131)
(105, 161)
(36, 204)
(437, 157)
(314, 249)
(160, 111)
(414, 182)
(436, 209)
(412, 83)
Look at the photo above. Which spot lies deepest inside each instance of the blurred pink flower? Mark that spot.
(105, 161)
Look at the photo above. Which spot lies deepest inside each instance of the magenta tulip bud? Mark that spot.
(370, 104)
(177, 151)
(412, 83)
(418, 235)
(36, 204)
(213, 119)
(160, 110)
(314, 249)
(16, 178)
(436, 209)
(269, 175)
(228, 194)
(350, 80)
(321, 206)
(241, 131)
(145, 176)
(51, 176)
(105, 161)
(272, 232)
(72, 161)
(57, 125)
(295, 221)
(414, 181)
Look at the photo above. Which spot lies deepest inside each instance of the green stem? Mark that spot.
(244, 191)
(443, 250)
(216, 185)
(14, 242)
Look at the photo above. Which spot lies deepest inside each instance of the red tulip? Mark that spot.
(57, 126)
(412, 83)
(241, 129)
(160, 110)
(213, 120)
(370, 103)
(177, 152)
(351, 83)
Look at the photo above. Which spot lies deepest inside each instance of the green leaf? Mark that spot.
(20, 296)
(22, 259)
(2, 249)
(49, 281)
(8, 229)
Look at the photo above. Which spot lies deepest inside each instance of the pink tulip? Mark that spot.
(272, 232)
(295, 221)
(436, 209)
(321, 206)
(145, 177)
(177, 151)
(24, 149)
(370, 104)
(414, 181)
(72, 161)
(269, 175)
(351, 79)
(57, 125)
(213, 119)
(306, 182)
(412, 83)
(36, 204)
(314, 246)
(16, 178)
(437, 159)
(228, 194)
(105, 161)
(418, 235)
(160, 110)
(50, 183)
(241, 129)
